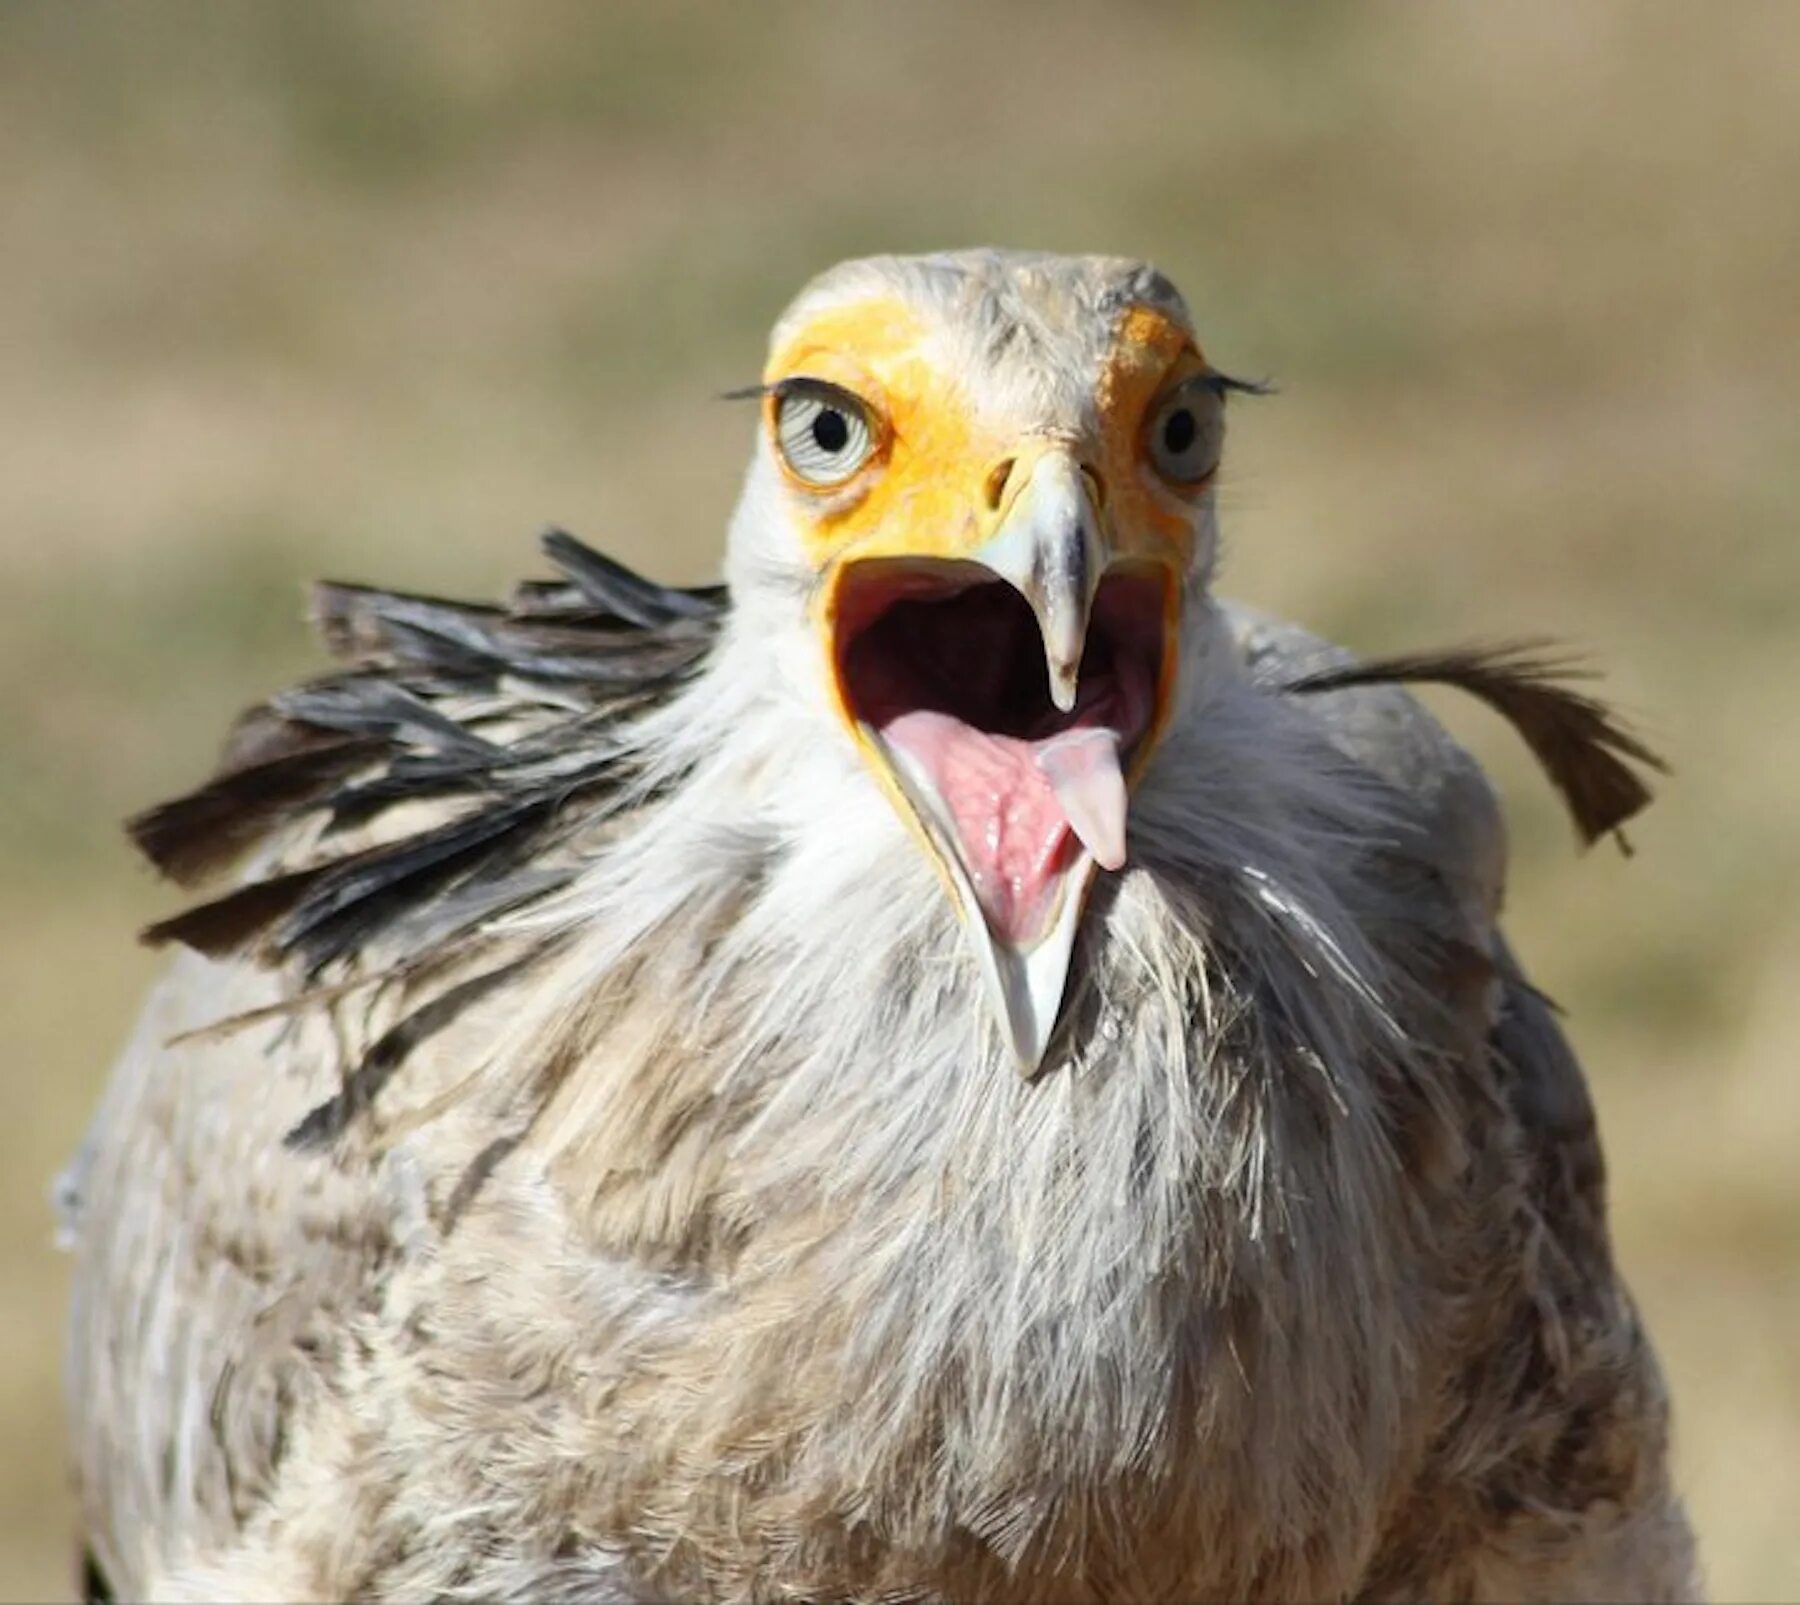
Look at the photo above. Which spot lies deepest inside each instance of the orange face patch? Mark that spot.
(924, 492)
(913, 495)
(1150, 356)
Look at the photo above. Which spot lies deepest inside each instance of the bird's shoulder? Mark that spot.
(357, 829)
(1449, 864)
(1382, 728)
(1579, 1431)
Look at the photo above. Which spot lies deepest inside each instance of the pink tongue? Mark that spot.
(1017, 807)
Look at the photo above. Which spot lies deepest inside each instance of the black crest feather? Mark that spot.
(192, 837)
(500, 715)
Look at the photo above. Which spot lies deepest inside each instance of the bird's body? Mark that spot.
(588, 1158)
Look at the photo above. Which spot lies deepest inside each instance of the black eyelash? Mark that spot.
(797, 385)
(1222, 384)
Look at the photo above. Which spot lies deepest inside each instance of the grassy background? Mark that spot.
(377, 291)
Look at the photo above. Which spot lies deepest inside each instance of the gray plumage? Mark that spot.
(572, 1158)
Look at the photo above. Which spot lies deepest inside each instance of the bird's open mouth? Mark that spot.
(943, 667)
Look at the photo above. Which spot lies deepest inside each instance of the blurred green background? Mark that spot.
(287, 290)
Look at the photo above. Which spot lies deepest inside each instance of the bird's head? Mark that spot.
(995, 472)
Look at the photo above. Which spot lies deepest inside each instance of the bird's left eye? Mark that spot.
(1186, 433)
(824, 434)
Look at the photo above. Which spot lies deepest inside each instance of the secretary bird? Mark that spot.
(955, 1066)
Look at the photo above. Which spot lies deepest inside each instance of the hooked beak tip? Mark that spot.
(1049, 547)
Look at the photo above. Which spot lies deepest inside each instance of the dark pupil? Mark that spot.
(1179, 431)
(830, 431)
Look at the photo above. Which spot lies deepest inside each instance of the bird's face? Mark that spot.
(1000, 471)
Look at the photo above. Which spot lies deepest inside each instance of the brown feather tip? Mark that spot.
(289, 767)
(1579, 741)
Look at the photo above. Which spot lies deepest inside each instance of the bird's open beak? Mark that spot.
(1007, 699)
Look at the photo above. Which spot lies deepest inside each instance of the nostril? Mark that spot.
(999, 477)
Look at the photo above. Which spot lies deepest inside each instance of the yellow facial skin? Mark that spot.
(925, 490)
(928, 489)
(912, 498)
(1145, 514)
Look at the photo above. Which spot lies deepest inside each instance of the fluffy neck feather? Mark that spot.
(1173, 1264)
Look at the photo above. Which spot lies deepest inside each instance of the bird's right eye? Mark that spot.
(824, 433)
